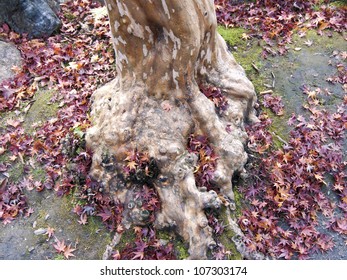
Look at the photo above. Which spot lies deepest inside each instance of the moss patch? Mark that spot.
(233, 36)
(246, 52)
(16, 172)
(238, 202)
(181, 247)
(228, 234)
(38, 174)
(90, 239)
(181, 250)
(41, 109)
(306, 63)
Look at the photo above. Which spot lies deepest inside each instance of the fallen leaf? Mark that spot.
(308, 43)
(245, 36)
(68, 252)
(60, 246)
(13, 123)
(50, 232)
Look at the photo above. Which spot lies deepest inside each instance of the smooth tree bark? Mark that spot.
(164, 50)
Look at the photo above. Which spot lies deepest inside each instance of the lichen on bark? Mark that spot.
(164, 51)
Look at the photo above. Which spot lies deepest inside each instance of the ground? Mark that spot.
(310, 61)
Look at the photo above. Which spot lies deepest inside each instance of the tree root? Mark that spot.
(154, 105)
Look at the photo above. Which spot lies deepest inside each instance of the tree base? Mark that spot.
(155, 105)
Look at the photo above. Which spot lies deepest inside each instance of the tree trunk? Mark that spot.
(164, 51)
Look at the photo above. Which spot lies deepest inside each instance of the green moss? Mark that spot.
(246, 53)
(59, 257)
(280, 131)
(38, 174)
(4, 117)
(238, 202)
(181, 250)
(233, 36)
(4, 158)
(320, 43)
(226, 237)
(41, 110)
(16, 172)
(164, 234)
(69, 16)
(339, 4)
(93, 235)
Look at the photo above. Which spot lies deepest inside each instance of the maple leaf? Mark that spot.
(13, 123)
(166, 106)
(68, 252)
(119, 229)
(292, 211)
(342, 224)
(137, 229)
(245, 36)
(287, 157)
(132, 165)
(338, 187)
(116, 255)
(308, 43)
(94, 58)
(138, 255)
(99, 13)
(74, 65)
(60, 246)
(105, 215)
(144, 157)
(84, 219)
(131, 156)
(13, 158)
(50, 232)
(312, 94)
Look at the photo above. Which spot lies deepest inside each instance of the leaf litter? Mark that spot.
(285, 193)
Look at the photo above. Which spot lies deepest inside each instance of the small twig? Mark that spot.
(111, 246)
(266, 92)
(273, 79)
(279, 138)
(255, 67)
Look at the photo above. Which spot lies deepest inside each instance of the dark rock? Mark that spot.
(34, 17)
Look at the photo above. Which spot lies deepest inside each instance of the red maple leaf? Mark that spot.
(60, 246)
(68, 252)
(50, 232)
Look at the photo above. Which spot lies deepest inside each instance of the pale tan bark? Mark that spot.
(164, 49)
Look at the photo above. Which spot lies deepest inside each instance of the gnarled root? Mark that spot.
(163, 52)
(123, 125)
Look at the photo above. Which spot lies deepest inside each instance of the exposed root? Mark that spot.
(115, 241)
(155, 105)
